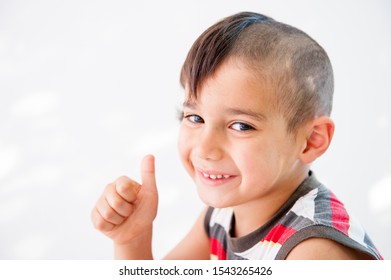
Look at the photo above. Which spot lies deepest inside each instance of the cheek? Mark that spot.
(256, 162)
(185, 148)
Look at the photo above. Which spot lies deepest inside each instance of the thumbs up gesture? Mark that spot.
(126, 209)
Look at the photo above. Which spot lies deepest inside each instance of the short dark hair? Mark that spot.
(297, 66)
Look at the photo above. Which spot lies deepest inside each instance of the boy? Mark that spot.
(258, 95)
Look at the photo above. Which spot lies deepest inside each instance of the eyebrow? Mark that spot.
(231, 111)
(190, 104)
(249, 113)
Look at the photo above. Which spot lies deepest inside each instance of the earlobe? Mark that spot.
(320, 133)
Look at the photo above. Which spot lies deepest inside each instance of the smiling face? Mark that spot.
(234, 144)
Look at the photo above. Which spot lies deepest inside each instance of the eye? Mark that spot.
(194, 119)
(239, 126)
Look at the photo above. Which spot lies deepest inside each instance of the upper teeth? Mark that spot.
(214, 177)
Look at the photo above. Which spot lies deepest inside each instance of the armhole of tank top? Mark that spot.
(208, 216)
(320, 231)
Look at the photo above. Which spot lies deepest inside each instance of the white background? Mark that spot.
(88, 87)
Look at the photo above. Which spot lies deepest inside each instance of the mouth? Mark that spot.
(214, 178)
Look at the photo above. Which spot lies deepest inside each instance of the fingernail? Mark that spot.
(138, 188)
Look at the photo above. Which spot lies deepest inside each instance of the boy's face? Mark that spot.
(234, 144)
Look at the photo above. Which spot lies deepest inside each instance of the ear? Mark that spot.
(319, 134)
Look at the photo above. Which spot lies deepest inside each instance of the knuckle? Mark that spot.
(102, 225)
(122, 180)
(99, 223)
(127, 192)
(127, 210)
(117, 204)
(108, 185)
(107, 214)
(122, 187)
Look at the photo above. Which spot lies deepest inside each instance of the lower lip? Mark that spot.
(214, 182)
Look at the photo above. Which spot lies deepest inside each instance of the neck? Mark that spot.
(254, 214)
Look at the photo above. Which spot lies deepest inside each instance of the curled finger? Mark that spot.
(100, 223)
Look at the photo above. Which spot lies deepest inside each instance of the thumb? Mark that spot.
(148, 173)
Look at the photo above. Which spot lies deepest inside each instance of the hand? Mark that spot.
(126, 209)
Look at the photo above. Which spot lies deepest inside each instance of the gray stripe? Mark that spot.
(218, 232)
(323, 213)
(208, 215)
(320, 231)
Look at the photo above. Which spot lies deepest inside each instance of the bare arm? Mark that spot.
(324, 249)
(195, 245)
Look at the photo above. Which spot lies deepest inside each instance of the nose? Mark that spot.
(210, 144)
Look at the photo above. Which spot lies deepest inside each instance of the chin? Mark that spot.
(214, 202)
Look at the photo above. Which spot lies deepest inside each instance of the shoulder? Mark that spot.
(324, 249)
(195, 245)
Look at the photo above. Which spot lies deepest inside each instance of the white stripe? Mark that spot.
(266, 250)
(222, 217)
(356, 231)
(305, 205)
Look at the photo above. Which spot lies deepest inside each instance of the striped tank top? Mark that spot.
(311, 211)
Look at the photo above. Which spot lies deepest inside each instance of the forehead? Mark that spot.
(235, 84)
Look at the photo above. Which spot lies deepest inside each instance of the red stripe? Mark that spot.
(217, 249)
(279, 234)
(380, 256)
(339, 216)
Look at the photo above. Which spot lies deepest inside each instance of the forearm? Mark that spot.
(139, 248)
